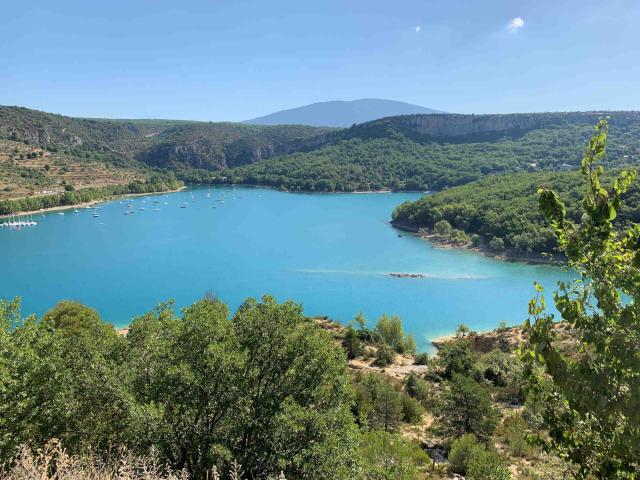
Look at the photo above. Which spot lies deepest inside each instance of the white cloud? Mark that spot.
(515, 24)
(418, 29)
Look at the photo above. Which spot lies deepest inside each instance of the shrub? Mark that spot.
(456, 357)
(496, 244)
(442, 227)
(352, 344)
(421, 359)
(418, 389)
(461, 452)
(384, 356)
(485, 464)
(514, 432)
(504, 371)
(389, 456)
(411, 409)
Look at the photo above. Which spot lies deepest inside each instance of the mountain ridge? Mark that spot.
(340, 113)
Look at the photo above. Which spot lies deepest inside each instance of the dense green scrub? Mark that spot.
(505, 208)
(157, 183)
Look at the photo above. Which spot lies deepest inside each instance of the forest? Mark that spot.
(501, 212)
(410, 152)
(374, 159)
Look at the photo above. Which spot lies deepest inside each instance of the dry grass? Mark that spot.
(52, 462)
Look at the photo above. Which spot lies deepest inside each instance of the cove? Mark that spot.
(330, 252)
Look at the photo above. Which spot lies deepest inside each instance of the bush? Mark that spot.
(474, 460)
(385, 356)
(390, 331)
(485, 464)
(504, 371)
(456, 357)
(496, 244)
(514, 432)
(421, 359)
(442, 227)
(352, 344)
(412, 411)
(418, 389)
(461, 452)
(389, 456)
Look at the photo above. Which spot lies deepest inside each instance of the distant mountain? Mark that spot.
(340, 113)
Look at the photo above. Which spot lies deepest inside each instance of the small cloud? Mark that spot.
(515, 24)
(418, 29)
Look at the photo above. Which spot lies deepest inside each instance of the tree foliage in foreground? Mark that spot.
(266, 388)
(592, 399)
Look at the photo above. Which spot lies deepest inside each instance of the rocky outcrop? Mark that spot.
(451, 126)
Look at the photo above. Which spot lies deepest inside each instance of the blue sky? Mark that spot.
(212, 60)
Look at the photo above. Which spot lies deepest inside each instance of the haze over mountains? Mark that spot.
(340, 113)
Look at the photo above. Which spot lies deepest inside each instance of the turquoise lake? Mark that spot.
(332, 253)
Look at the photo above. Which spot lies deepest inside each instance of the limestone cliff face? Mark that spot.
(455, 125)
(209, 155)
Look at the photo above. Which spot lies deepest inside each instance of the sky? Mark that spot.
(235, 60)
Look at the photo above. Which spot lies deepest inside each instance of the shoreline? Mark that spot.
(59, 208)
(286, 190)
(437, 242)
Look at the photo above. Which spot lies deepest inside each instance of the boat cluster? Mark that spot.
(19, 222)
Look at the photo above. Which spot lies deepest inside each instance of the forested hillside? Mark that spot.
(38, 149)
(434, 152)
(501, 212)
(410, 152)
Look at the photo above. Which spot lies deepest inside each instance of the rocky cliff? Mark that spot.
(478, 127)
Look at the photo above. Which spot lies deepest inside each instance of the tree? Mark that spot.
(456, 357)
(268, 389)
(442, 227)
(61, 377)
(186, 381)
(294, 414)
(465, 407)
(352, 344)
(591, 400)
(378, 404)
(496, 244)
(391, 332)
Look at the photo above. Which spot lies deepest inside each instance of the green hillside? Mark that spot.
(46, 152)
(409, 152)
(435, 152)
(506, 208)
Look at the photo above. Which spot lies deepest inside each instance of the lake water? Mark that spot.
(332, 253)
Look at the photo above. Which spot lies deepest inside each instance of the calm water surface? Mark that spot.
(332, 253)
